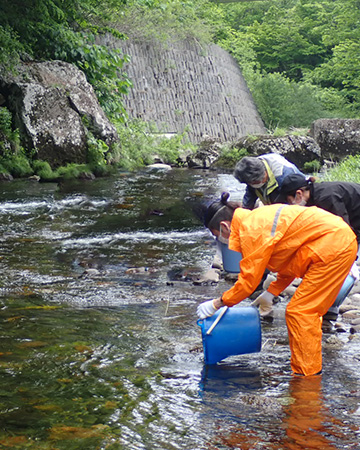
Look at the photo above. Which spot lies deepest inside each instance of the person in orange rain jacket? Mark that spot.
(296, 242)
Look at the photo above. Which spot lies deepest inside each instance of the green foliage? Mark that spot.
(5, 120)
(6, 129)
(170, 148)
(141, 142)
(299, 57)
(97, 156)
(230, 156)
(13, 159)
(71, 171)
(97, 150)
(282, 44)
(10, 47)
(43, 170)
(312, 166)
(342, 71)
(285, 103)
(3, 169)
(18, 165)
(346, 170)
(165, 21)
(241, 47)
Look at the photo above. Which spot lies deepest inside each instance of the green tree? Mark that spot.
(65, 30)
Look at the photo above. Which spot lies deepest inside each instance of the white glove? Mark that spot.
(206, 309)
(265, 303)
(354, 272)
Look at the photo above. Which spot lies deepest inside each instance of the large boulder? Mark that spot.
(49, 100)
(207, 154)
(337, 138)
(297, 149)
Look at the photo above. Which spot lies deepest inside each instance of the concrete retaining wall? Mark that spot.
(184, 85)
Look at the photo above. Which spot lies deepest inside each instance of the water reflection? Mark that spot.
(221, 378)
(308, 423)
(297, 419)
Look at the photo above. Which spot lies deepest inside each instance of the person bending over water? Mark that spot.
(295, 242)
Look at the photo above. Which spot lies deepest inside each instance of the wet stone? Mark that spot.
(90, 273)
(340, 327)
(345, 308)
(351, 314)
(209, 277)
(334, 341)
(355, 298)
(355, 289)
(355, 329)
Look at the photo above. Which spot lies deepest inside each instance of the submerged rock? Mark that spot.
(90, 273)
(212, 276)
(355, 329)
(351, 314)
(140, 270)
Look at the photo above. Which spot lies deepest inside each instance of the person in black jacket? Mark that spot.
(338, 197)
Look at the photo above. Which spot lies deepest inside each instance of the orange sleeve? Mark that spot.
(252, 269)
(281, 283)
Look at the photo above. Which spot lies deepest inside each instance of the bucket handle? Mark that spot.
(225, 308)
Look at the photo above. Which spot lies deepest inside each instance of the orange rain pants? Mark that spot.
(295, 242)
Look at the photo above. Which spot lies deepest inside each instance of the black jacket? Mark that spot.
(340, 198)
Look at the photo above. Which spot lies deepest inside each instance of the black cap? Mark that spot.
(292, 183)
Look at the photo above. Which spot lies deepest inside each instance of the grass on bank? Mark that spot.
(139, 144)
(346, 170)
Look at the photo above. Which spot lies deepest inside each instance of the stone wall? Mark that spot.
(184, 85)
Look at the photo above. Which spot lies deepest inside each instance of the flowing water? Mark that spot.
(99, 343)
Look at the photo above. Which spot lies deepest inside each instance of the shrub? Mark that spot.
(43, 170)
(230, 156)
(346, 170)
(312, 166)
(285, 103)
(72, 171)
(17, 165)
(141, 142)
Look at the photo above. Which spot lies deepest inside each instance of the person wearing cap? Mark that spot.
(295, 242)
(264, 176)
(338, 197)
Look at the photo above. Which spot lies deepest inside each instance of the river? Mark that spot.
(99, 343)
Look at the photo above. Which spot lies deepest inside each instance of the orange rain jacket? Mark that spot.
(296, 242)
(285, 244)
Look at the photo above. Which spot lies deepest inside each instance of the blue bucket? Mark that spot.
(237, 332)
(344, 291)
(231, 259)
